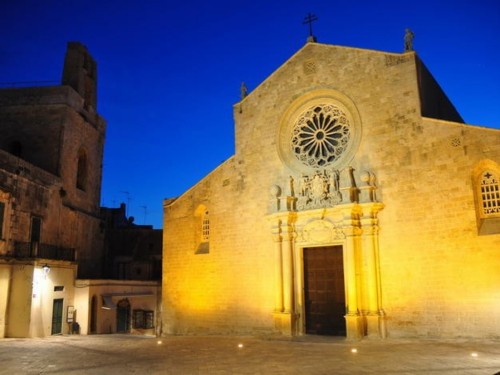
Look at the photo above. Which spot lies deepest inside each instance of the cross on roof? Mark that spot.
(309, 19)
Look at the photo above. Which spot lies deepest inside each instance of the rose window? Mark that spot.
(320, 135)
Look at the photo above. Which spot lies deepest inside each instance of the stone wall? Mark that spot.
(437, 275)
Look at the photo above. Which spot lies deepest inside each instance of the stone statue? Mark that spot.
(303, 185)
(409, 40)
(243, 90)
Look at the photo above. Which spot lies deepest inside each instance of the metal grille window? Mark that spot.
(490, 194)
(143, 319)
(205, 228)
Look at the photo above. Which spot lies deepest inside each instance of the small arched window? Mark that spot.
(81, 173)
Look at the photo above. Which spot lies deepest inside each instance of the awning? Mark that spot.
(109, 304)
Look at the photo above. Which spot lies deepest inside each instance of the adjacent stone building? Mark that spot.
(51, 149)
(53, 241)
(132, 251)
(357, 203)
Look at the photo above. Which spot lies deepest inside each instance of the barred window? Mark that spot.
(205, 228)
(202, 231)
(490, 194)
(485, 177)
(143, 319)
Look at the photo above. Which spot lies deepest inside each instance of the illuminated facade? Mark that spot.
(52, 234)
(51, 149)
(358, 203)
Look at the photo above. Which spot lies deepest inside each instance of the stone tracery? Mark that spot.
(320, 135)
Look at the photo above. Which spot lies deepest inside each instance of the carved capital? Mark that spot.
(321, 231)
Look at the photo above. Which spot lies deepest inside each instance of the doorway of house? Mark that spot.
(122, 316)
(93, 315)
(324, 291)
(57, 314)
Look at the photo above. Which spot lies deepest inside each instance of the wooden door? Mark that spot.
(123, 316)
(324, 291)
(57, 314)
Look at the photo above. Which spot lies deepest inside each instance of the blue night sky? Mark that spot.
(170, 71)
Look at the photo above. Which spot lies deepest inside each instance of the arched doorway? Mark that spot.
(123, 316)
(93, 315)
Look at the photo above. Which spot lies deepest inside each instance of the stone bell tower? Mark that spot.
(80, 72)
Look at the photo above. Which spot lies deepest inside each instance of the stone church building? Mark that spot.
(358, 203)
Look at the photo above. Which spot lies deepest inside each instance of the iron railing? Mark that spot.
(43, 251)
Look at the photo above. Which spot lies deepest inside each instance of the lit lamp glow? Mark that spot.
(46, 269)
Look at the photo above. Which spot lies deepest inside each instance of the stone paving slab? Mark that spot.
(221, 355)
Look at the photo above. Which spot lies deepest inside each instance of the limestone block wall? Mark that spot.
(5, 277)
(437, 274)
(230, 289)
(81, 135)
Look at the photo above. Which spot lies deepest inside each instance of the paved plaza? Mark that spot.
(218, 355)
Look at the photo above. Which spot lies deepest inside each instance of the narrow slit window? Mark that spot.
(81, 174)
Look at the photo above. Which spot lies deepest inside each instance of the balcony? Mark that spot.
(36, 250)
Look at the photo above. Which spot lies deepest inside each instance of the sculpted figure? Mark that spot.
(318, 187)
(334, 181)
(409, 40)
(243, 90)
(304, 181)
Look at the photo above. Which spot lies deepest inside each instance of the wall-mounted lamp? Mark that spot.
(46, 269)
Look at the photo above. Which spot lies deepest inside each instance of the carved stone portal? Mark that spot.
(324, 189)
(321, 231)
(318, 190)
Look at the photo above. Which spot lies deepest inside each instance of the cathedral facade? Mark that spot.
(357, 203)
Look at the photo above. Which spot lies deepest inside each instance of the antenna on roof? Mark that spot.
(127, 194)
(309, 19)
(145, 208)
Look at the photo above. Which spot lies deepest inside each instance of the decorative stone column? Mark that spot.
(284, 310)
(278, 269)
(375, 316)
(287, 254)
(354, 323)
